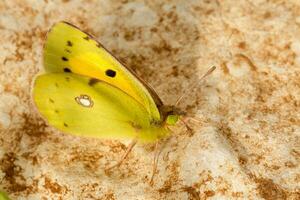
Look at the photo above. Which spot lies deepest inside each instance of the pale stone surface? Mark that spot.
(246, 139)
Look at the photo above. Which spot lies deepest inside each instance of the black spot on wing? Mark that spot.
(51, 100)
(110, 73)
(56, 111)
(68, 79)
(86, 38)
(93, 81)
(69, 43)
(66, 125)
(64, 58)
(66, 69)
(67, 50)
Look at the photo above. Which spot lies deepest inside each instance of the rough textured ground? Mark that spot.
(246, 140)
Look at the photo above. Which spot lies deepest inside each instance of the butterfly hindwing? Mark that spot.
(84, 106)
(68, 49)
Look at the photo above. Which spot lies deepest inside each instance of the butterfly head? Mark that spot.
(171, 114)
(172, 119)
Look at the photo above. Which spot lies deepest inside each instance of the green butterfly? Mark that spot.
(87, 92)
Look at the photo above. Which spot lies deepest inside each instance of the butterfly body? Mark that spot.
(87, 92)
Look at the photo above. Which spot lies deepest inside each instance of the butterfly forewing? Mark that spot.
(70, 50)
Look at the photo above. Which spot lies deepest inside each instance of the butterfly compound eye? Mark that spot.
(172, 119)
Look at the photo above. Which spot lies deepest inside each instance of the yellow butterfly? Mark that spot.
(87, 92)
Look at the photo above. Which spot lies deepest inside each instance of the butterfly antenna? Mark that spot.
(201, 79)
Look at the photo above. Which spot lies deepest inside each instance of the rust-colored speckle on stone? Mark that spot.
(52, 186)
(193, 193)
(109, 196)
(209, 193)
(242, 45)
(269, 190)
(12, 172)
(248, 60)
(224, 67)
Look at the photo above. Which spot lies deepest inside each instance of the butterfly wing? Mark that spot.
(68, 49)
(83, 106)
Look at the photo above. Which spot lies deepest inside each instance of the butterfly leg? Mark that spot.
(189, 129)
(158, 149)
(155, 161)
(195, 119)
(128, 150)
